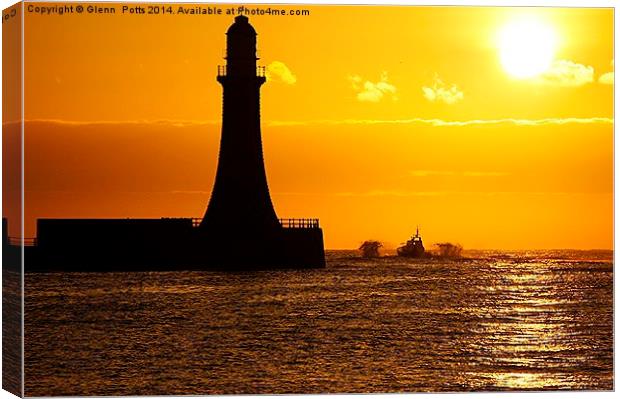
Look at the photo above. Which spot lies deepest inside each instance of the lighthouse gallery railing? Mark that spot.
(222, 71)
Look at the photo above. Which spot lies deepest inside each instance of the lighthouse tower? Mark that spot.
(240, 200)
(240, 229)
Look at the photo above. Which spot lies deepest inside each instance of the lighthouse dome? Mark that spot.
(241, 27)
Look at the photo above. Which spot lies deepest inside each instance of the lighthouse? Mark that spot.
(240, 198)
(240, 227)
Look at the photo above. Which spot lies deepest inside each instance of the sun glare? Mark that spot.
(526, 48)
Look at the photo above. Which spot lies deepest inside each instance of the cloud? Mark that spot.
(447, 123)
(405, 193)
(442, 92)
(137, 122)
(430, 173)
(568, 74)
(368, 91)
(399, 193)
(390, 193)
(189, 192)
(279, 72)
(484, 174)
(607, 78)
(276, 123)
(427, 173)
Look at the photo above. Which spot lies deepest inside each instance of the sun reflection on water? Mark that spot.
(386, 325)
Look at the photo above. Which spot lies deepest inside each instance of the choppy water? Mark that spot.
(510, 321)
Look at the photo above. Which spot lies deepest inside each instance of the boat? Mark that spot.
(414, 248)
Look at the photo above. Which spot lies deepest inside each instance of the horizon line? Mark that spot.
(434, 122)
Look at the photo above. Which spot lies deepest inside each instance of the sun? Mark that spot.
(526, 47)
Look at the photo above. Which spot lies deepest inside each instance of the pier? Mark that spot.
(240, 229)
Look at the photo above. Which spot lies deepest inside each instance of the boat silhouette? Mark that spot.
(414, 248)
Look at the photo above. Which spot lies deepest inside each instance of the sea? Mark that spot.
(493, 321)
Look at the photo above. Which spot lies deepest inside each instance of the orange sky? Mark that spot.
(375, 120)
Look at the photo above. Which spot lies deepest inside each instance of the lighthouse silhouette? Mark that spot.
(240, 228)
(240, 195)
(240, 223)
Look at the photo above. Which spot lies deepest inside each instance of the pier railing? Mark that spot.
(285, 223)
(299, 223)
(294, 223)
